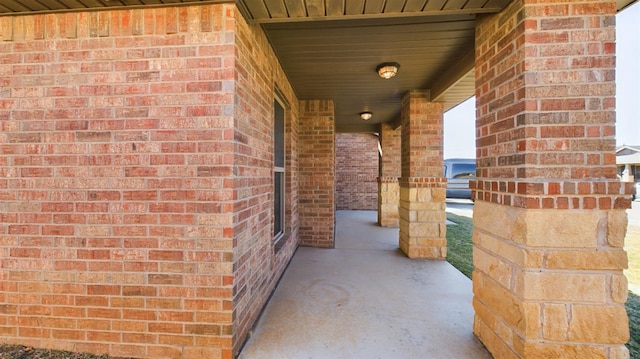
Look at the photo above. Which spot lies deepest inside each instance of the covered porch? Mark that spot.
(366, 299)
(162, 163)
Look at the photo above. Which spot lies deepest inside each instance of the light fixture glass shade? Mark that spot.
(388, 70)
(366, 115)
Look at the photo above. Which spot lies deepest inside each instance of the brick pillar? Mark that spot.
(422, 186)
(388, 188)
(317, 183)
(550, 214)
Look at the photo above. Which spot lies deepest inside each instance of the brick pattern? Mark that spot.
(422, 185)
(422, 135)
(257, 265)
(557, 194)
(316, 166)
(357, 160)
(390, 142)
(550, 215)
(546, 106)
(135, 214)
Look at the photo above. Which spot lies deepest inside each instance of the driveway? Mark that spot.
(461, 207)
(632, 246)
(634, 214)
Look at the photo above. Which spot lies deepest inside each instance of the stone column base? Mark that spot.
(423, 220)
(548, 283)
(388, 199)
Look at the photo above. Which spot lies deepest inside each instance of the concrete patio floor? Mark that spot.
(365, 299)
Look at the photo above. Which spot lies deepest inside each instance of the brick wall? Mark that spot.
(135, 184)
(316, 161)
(390, 140)
(549, 219)
(257, 264)
(422, 136)
(546, 107)
(357, 160)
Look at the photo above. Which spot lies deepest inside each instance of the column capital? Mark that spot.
(554, 194)
(423, 182)
(388, 179)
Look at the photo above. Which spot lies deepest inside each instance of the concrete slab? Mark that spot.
(632, 246)
(365, 299)
(461, 207)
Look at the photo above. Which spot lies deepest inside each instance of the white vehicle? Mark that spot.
(458, 172)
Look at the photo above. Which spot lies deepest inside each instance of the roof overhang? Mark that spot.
(282, 10)
(633, 159)
(330, 48)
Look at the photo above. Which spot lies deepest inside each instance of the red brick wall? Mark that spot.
(257, 264)
(422, 137)
(545, 94)
(357, 160)
(390, 140)
(135, 185)
(316, 160)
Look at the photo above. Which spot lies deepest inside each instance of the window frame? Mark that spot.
(279, 171)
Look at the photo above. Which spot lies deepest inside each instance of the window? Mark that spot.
(463, 171)
(278, 170)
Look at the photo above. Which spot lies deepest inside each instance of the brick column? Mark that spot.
(422, 186)
(317, 183)
(550, 214)
(388, 188)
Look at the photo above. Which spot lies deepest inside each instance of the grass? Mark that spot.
(633, 310)
(22, 352)
(460, 255)
(459, 244)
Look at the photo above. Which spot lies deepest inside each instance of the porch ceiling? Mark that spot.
(337, 59)
(330, 48)
(281, 10)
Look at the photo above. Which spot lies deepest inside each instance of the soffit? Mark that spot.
(337, 59)
(282, 10)
(301, 10)
(297, 10)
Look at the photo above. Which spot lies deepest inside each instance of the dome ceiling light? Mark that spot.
(387, 70)
(366, 115)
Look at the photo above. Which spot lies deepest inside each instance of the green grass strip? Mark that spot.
(633, 310)
(459, 244)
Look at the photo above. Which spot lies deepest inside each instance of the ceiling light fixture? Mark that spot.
(366, 115)
(387, 70)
